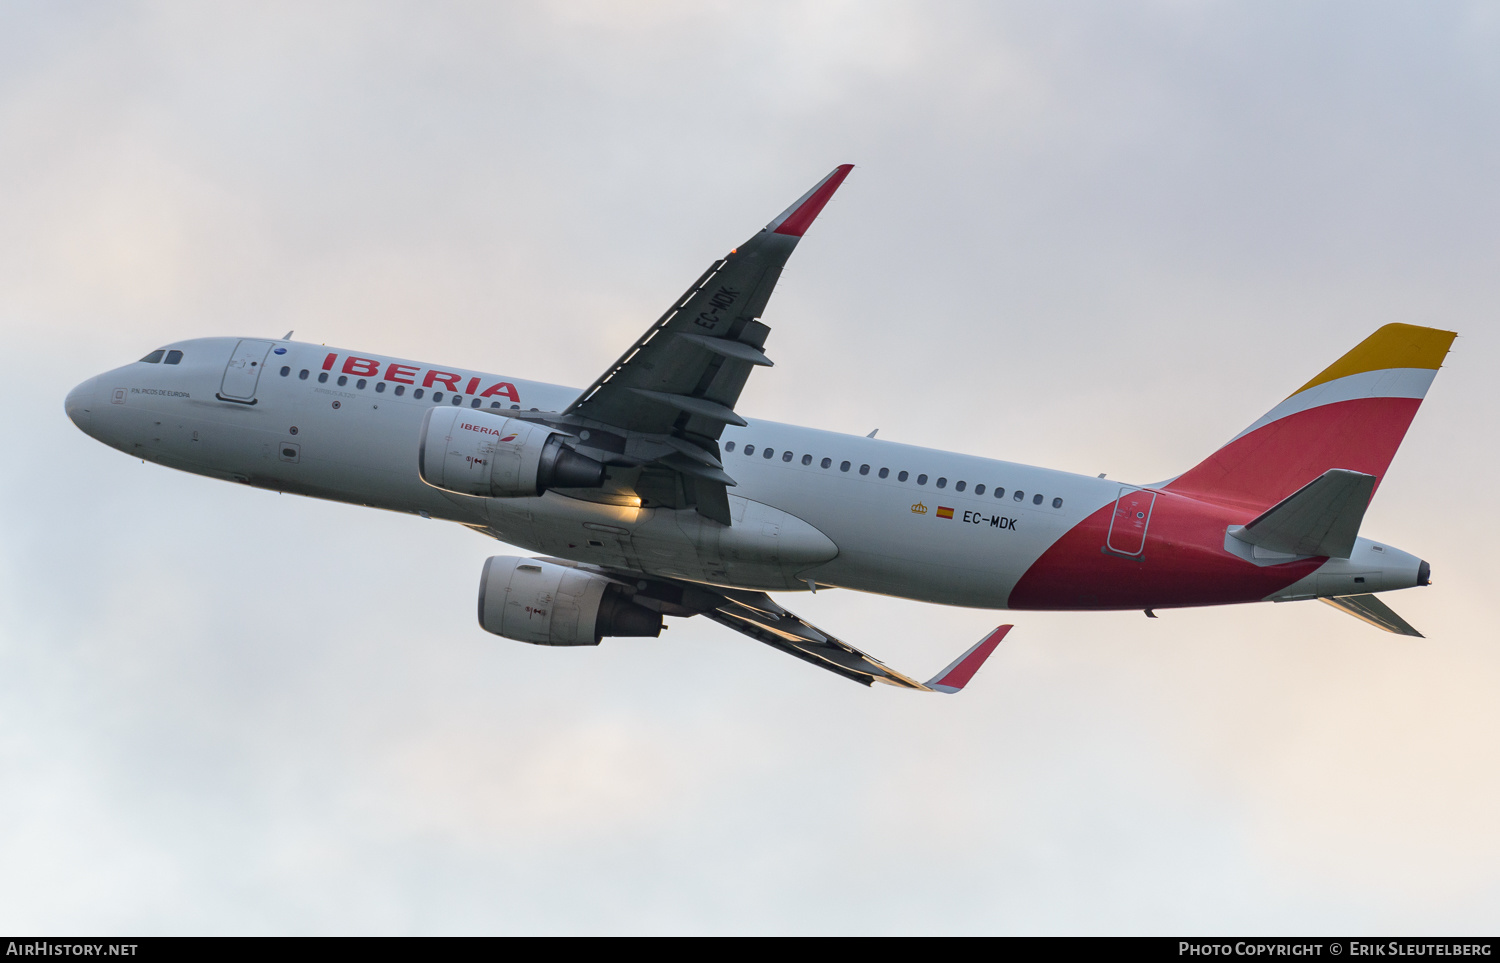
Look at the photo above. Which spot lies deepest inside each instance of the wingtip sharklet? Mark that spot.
(796, 219)
(962, 669)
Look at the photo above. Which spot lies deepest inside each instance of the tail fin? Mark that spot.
(1352, 416)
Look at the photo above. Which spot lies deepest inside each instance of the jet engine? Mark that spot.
(531, 600)
(481, 453)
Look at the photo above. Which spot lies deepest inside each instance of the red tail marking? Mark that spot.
(1260, 469)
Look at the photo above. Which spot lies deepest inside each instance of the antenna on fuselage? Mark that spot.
(287, 336)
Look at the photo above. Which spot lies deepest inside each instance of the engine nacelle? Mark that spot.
(487, 454)
(543, 603)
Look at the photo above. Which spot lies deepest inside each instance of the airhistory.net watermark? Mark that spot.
(43, 948)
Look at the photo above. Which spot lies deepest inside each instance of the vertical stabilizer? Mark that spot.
(1352, 416)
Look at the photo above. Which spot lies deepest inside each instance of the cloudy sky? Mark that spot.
(1098, 237)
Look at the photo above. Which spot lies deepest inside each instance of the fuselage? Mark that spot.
(810, 506)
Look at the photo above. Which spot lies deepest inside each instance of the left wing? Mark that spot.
(665, 402)
(755, 614)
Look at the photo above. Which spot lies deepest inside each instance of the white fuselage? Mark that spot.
(808, 508)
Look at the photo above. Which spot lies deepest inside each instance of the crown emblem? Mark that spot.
(919, 509)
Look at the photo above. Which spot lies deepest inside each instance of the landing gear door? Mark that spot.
(1127, 530)
(243, 371)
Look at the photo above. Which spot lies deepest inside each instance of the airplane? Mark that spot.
(648, 496)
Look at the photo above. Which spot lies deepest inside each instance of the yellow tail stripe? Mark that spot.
(1392, 346)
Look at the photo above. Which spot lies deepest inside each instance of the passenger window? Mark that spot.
(885, 473)
(729, 446)
(749, 449)
(768, 453)
(416, 393)
(515, 407)
(174, 356)
(1057, 503)
(958, 487)
(493, 404)
(322, 377)
(343, 380)
(921, 479)
(400, 390)
(786, 456)
(843, 466)
(979, 489)
(302, 375)
(902, 477)
(942, 483)
(826, 462)
(360, 384)
(437, 396)
(285, 370)
(864, 469)
(458, 400)
(999, 493)
(476, 402)
(1019, 495)
(807, 459)
(155, 356)
(379, 387)
(1036, 499)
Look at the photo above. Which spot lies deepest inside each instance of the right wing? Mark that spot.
(665, 402)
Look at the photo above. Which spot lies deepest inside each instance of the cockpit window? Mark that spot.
(155, 356)
(174, 356)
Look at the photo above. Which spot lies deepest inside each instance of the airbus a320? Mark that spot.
(648, 495)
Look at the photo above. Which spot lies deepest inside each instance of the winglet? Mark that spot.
(796, 219)
(957, 675)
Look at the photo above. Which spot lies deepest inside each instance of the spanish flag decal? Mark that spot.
(944, 512)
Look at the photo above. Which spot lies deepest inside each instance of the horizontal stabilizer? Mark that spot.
(1320, 518)
(1368, 608)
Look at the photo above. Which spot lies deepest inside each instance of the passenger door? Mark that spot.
(1127, 530)
(243, 372)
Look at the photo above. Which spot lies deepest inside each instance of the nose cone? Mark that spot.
(79, 403)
